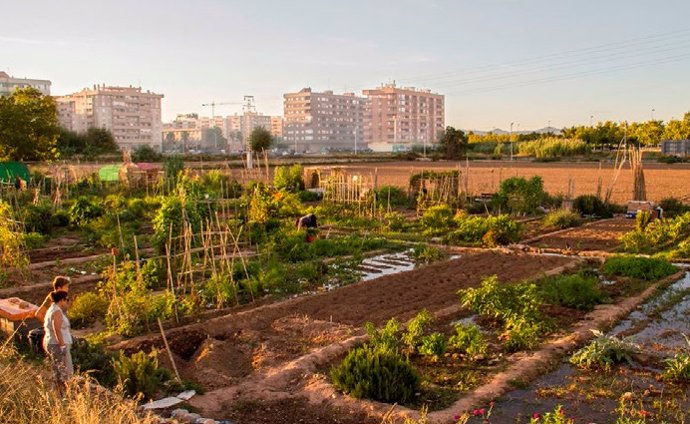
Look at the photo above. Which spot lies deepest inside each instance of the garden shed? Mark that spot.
(10, 170)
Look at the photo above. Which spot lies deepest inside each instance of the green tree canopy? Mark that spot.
(28, 126)
(92, 143)
(453, 143)
(260, 139)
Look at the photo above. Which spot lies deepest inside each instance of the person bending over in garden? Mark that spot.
(60, 283)
(58, 339)
(307, 221)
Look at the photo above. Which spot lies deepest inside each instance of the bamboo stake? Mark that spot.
(167, 349)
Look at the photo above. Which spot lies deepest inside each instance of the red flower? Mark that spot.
(475, 412)
(482, 411)
(536, 416)
(644, 413)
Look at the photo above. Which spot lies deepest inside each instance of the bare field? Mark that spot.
(485, 176)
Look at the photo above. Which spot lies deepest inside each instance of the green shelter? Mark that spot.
(10, 170)
(109, 173)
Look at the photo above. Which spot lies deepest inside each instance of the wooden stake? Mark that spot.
(167, 348)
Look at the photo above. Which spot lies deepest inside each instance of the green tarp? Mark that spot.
(9, 171)
(109, 173)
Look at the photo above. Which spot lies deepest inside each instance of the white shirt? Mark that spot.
(51, 337)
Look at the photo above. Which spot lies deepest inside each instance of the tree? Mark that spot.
(214, 136)
(260, 139)
(100, 141)
(453, 143)
(28, 126)
(146, 153)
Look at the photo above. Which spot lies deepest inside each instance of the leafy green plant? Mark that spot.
(378, 374)
(562, 218)
(11, 241)
(642, 220)
(437, 220)
(678, 368)
(394, 221)
(84, 210)
(489, 231)
(39, 218)
(521, 333)
(392, 196)
(34, 240)
(604, 352)
(468, 340)
(433, 345)
(648, 269)
(412, 337)
(658, 235)
(427, 254)
(386, 338)
(139, 374)
(86, 309)
(579, 291)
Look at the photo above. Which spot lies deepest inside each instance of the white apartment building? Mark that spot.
(132, 115)
(8, 84)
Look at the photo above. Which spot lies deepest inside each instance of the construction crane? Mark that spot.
(213, 105)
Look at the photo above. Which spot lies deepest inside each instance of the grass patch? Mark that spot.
(640, 268)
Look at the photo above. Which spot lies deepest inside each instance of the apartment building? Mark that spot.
(277, 127)
(321, 122)
(397, 118)
(8, 84)
(132, 115)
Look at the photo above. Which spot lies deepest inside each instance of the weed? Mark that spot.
(579, 291)
(562, 218)
(678, 368)
(86, 309)
(139, 373)
(648, 269)
(556, 417)
(591, 205)
(427, 254)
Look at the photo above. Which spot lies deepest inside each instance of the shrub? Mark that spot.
(678, 368)
(377, 374)
(145, 153)
(310, 196)
(604, 352)
(392, 196)
(86, 309)
(394, 221)
(591, 205)
(139, 373)
(84, 210)
(437, 220)
(93, 358)
(521, 333)
(562, 218)
(468, 340)
(489, 231)
(648, 269)
(39, 218)
(658, 235)
(172, 169)
(288, 179)
(433, 345)
(11, 241)
(552, 147)
(519, 195)
(579, 291)
(412, 337)
(642, 220)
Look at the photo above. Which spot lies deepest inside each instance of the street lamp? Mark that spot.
(653, 110)
(590, 119)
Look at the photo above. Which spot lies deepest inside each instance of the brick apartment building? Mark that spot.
(320, 122)
(133, 116)
(397, 118)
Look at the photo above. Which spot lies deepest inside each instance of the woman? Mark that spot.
(58, 340)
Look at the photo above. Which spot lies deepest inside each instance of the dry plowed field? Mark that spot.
(596, 236)
(485, 176)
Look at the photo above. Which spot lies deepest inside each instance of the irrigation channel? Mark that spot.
(657, 327)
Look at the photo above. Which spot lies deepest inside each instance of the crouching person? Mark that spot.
(58, 339)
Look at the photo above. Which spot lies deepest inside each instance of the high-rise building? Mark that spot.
(133, 116)
(277, 127)
(320, 122)
(397, 118)
(8, 84)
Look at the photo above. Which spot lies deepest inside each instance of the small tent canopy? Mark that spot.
(10, 170)
(109, 173)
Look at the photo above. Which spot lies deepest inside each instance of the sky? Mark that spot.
(529, 62)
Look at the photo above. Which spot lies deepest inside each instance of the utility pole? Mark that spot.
(510, 138)
(653, 110)
(590, 119)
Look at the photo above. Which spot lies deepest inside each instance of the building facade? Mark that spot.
(680, 148)
(398, 118)
(133, 116)
(321, 122)
(8, 84)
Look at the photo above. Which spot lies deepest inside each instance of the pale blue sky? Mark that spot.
(497, 61)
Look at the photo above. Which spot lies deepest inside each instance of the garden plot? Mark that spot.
(630, 391)
(273, 340)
